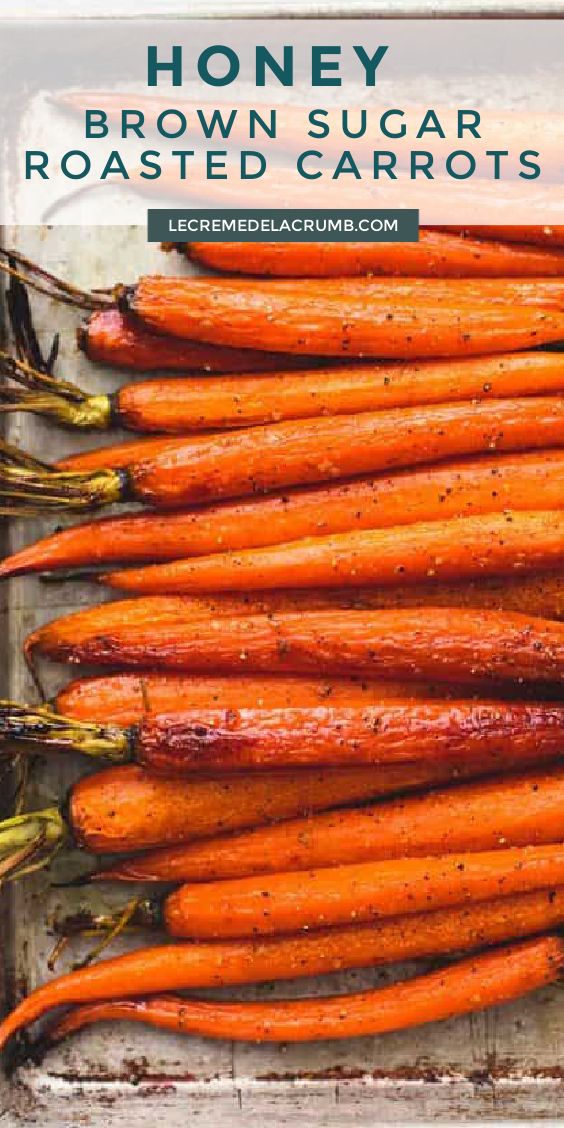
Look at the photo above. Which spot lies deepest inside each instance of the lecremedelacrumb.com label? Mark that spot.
(307, 225)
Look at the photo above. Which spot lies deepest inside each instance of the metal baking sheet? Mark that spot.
(504, 1064)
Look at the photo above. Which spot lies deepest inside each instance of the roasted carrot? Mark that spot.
(208, 467)
(460, 988)
(285, 902)
(121, 455)
(210, 740)
(494, 813)
(435, 254)
(112, 338)
(175, 471)
(176, 406)
(235, 740)
(550, 235)
(529, 480)
(123, 809)
(176, 967)
(333, 318)
(431, 643)
(123, 699)
(463, 548)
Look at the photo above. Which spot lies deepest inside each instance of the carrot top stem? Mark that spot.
(139, 912)
(23, 728)
(28, 486)
(45, 283)
(44, 394)
(29, 842)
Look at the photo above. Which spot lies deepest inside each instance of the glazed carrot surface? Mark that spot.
(435, 254)
(463, 548)
(529, 480)
(550, 235)
(469, 985)
(436, 644)
(495, 813)
(214, 403)
(112, 338)
(122, 809)
(285, 902)
(236, 740)
(125, 698)
(174, 472)
(325, 317)
(214, 964)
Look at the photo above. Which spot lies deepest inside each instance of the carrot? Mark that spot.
(438, 644)
(174, 406)
(202, 468)
(460, 988)
(174, 471)
(505, 811)
(463, 548)
(452, 489)
(121, 809)
(120, 456)
(123, 699)
(112, 338)
(215, 964)
(329, 318)
(436, 253)
(550, 235)
(235, 740)
(209, 740)
(285, 902)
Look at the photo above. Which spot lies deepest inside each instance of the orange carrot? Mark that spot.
(333, 318)
(463, 548)
(550, 235)
(172, 471)
(285, 902)
(460, 988)
(174, 967)
(485, 484)
(211, 740)
(113, 338)
(204, 468)
(177, 406)
(435, 254)
(123, 699)
(236, 740)
(431, 643)
(524, 481)
(492, 814)
(126, 808)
